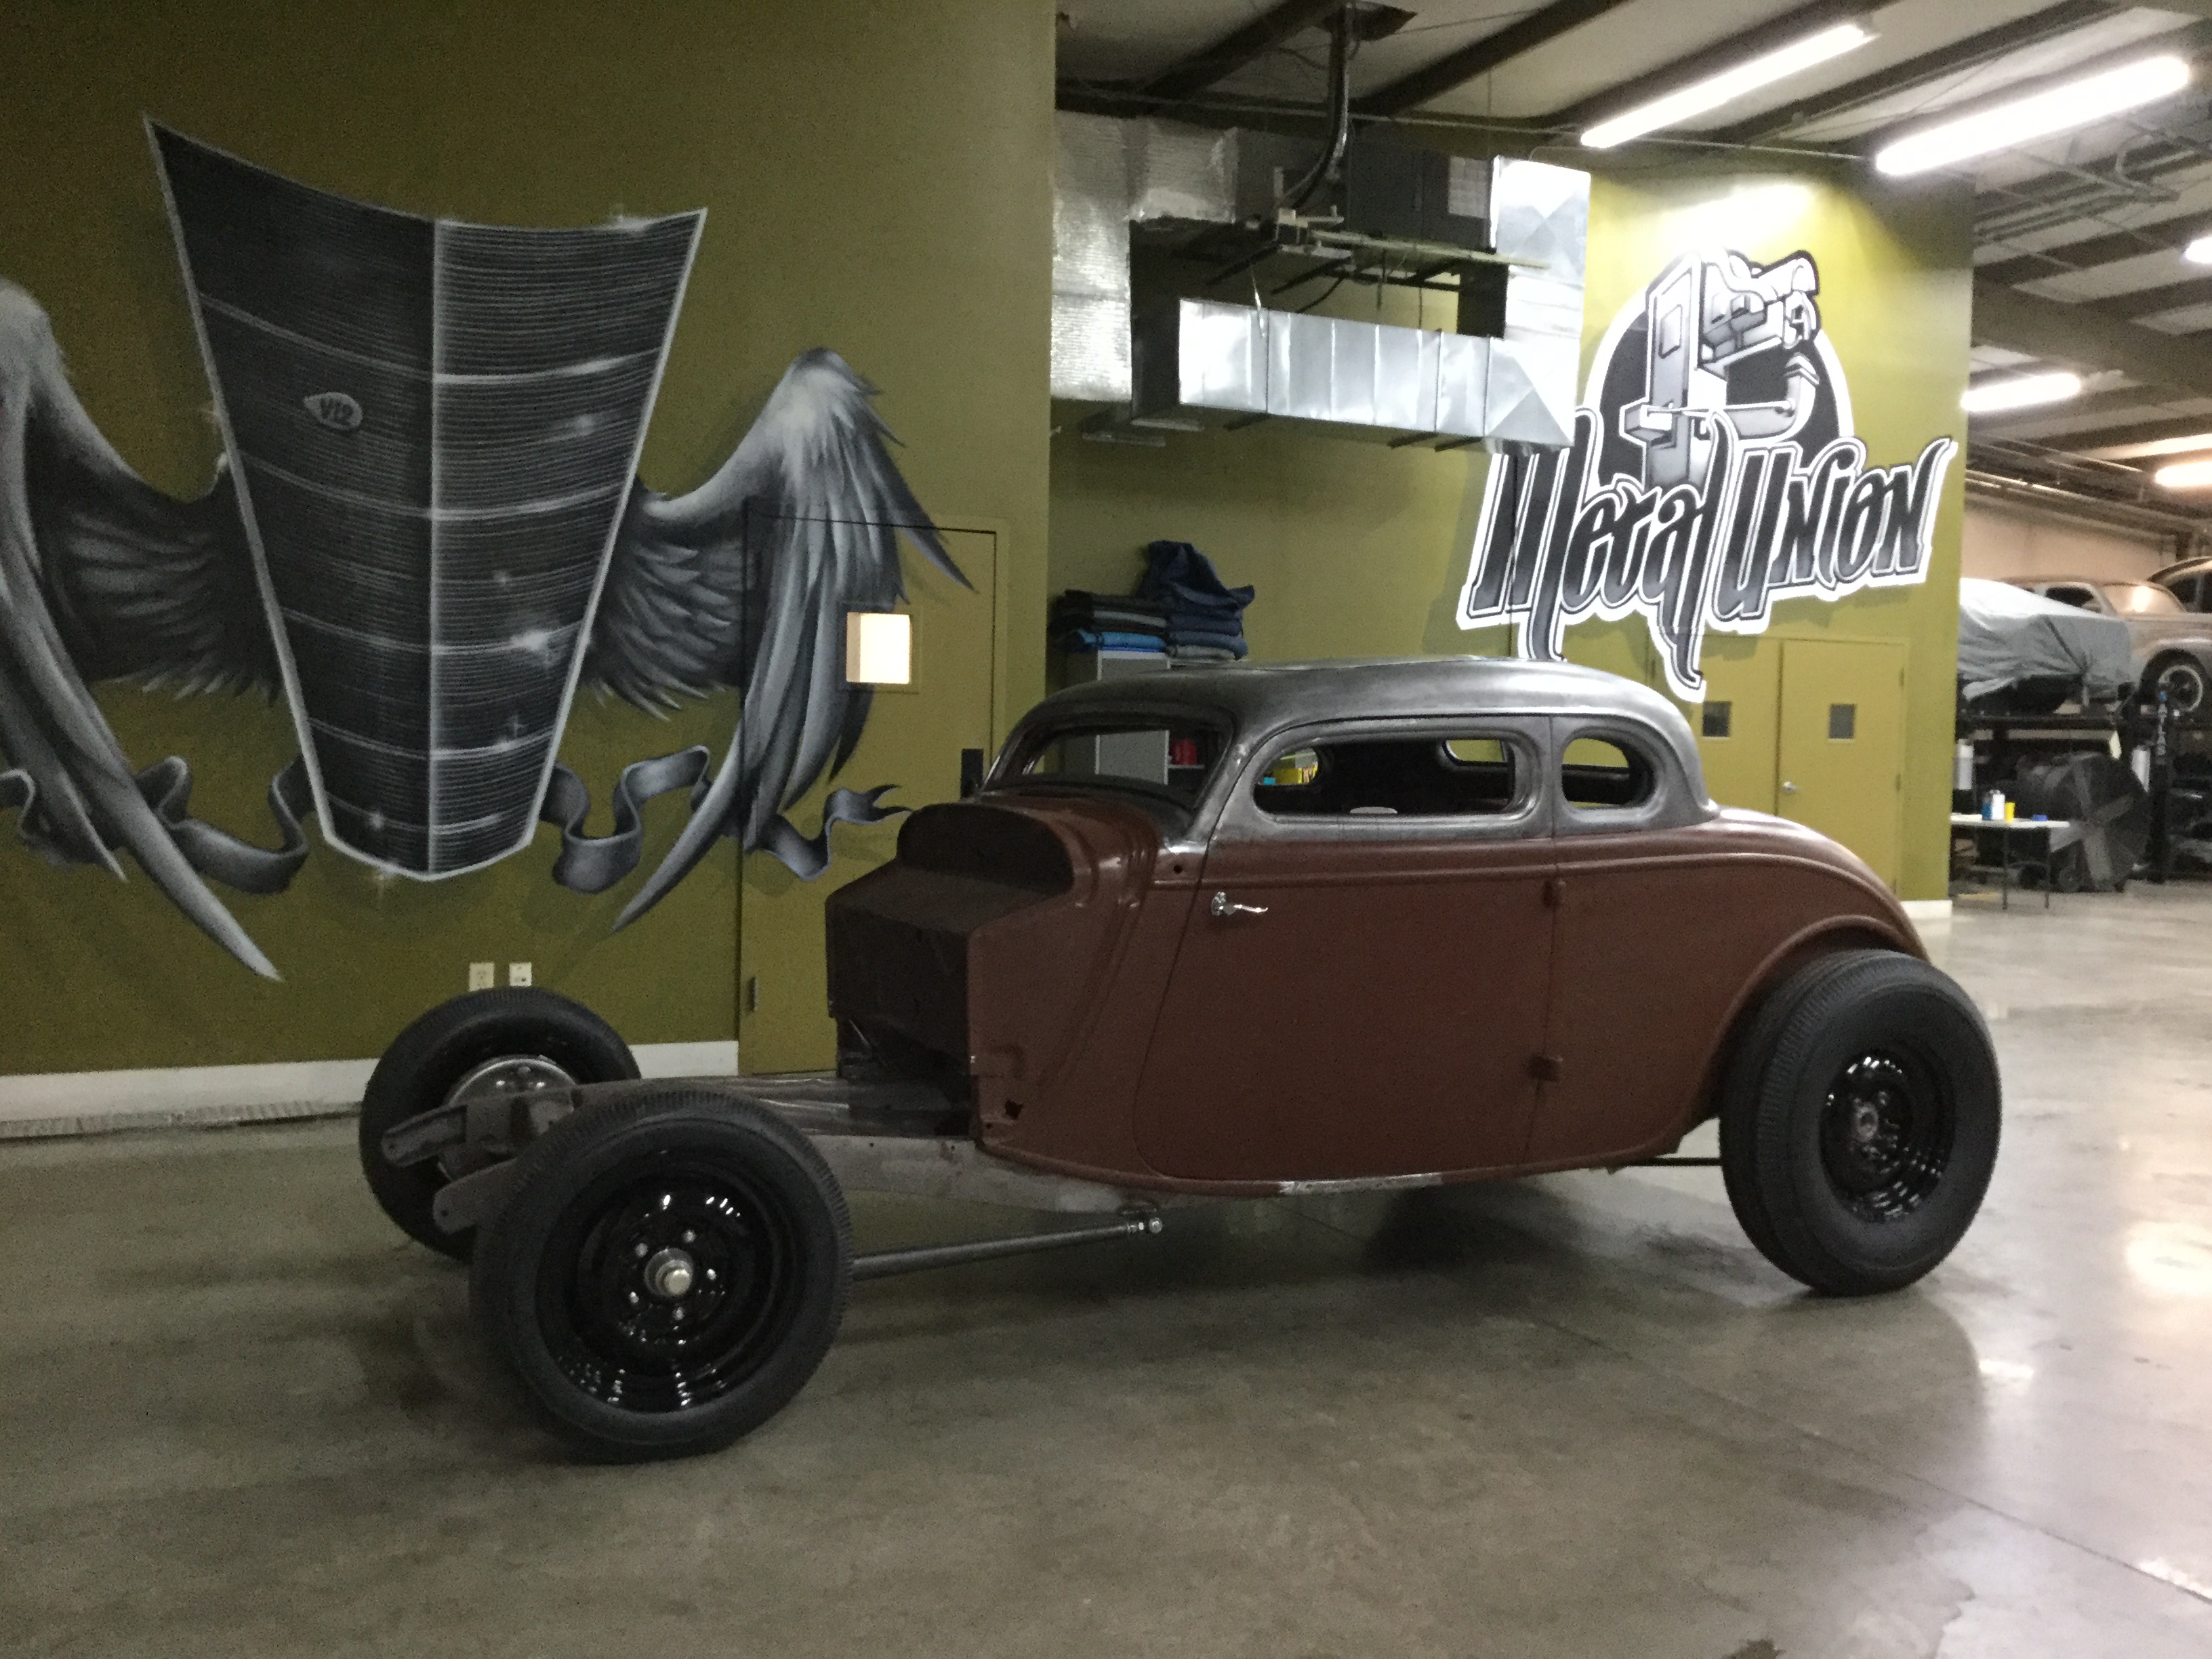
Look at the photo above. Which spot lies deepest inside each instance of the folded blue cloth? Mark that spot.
(1227, 639)
(1085, 638)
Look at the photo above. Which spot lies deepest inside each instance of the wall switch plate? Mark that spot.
(517, 973)
(482, 976)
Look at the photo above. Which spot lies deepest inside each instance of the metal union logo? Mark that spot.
(1712, 471)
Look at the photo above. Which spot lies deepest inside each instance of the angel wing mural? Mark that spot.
(426, 533)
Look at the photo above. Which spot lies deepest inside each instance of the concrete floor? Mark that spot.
(1573, 1417)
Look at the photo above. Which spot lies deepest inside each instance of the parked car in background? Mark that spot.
(2170, 646)
(2019, 654)
(2189, 582)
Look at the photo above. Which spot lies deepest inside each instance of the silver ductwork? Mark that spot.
(1210, 363)
(1507, 374)
(1108, 175)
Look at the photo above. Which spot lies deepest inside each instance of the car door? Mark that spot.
(1657, 930)
(1361, 985)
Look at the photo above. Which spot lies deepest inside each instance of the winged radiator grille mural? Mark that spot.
(426, 533)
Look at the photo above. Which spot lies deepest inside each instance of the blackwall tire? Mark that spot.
(1859, 1121)
(567, 1282)
(431, 1056)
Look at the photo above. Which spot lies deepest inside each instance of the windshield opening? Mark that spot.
(1169, 758)
(2141, 599)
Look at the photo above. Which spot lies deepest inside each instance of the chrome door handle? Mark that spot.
(1223, 905)
(1789, 788)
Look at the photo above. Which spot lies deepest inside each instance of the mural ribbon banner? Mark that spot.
(1712, 471)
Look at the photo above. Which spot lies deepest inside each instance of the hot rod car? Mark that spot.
(1214, 934)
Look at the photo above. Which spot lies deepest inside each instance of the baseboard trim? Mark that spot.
(37, 1104)
(1929, 910)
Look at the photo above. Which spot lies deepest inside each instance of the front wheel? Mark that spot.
(666, 1273)
(1859, 1121)
(2183, 681)
(498, 1046)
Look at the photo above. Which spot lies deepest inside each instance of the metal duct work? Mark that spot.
(1107, 173)
(1220, 364)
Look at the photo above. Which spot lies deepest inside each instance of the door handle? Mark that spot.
(1223, 905)
(1789, 788)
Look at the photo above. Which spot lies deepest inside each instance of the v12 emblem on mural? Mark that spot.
(1712, 471)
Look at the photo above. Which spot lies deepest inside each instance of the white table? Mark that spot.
(2007, 834)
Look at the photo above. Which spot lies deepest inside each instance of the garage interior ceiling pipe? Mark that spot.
(2091, 510)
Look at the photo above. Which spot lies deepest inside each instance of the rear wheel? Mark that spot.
(666, 1273)
(1859, 1121)
(495, 1044)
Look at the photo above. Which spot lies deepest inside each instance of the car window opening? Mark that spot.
(1161, 759)
(1597, 772)
(1393, 777)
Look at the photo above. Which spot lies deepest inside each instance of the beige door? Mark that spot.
(1736, 724)
(1841, 746)
(915, 737)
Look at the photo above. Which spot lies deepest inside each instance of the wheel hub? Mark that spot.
(1885, 1136)
(670, 1273)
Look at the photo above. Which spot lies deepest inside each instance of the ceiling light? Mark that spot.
(2075, 104)
(1715, 90)
(2184, 475)
(2199, 252)
(2021, 392)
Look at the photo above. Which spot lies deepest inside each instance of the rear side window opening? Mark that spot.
(1597, 773)
(1389, 777)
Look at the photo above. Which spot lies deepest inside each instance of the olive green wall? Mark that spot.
(1357, 549)
(877, 180)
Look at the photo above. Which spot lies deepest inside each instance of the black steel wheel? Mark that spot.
(666, 1274)
(1859, 1121)
(511, 1040)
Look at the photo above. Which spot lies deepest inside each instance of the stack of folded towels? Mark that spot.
(1205, 617)
(1108, 622)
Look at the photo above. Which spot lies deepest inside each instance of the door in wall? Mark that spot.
(1841, 745)
(915, 736)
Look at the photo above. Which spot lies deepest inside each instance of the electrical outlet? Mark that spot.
(482, 976)
(517, 973)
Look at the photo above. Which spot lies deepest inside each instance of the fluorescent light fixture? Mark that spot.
(2021, 392)
(2199, 252)
(2075, 104)
(2184, 475)
(1694, 100)
(879, 648)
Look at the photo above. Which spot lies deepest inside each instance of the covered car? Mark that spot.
(2021, 651)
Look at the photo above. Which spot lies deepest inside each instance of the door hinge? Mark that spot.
(1555, 892)
(1547, 1068)
(752, 994)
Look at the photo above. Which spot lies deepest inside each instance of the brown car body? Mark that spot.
(1201, 996)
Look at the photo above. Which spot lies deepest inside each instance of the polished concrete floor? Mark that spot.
(1575, 1417)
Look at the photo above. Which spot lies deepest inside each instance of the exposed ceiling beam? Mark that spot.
(2143, 432)
(2128, 403)
(1775, 32)
(2079, 334)
(2167, 236)
(1914, 72)
(2150, 302)
(1477, 58)
(1232, 53)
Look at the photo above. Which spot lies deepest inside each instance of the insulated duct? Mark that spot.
(1107, 175)
(1210, 363)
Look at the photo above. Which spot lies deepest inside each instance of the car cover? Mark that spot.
(2008, 634)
